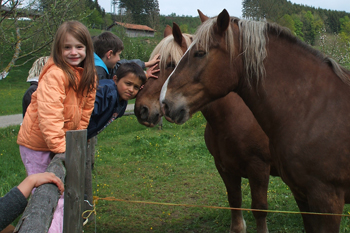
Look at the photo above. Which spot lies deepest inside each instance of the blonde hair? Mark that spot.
(168, 47)
(37, 66)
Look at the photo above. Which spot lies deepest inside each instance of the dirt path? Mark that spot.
(16, 119)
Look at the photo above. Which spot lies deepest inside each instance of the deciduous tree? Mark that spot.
(25, 40)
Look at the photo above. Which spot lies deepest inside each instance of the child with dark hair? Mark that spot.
(112, 96)
(107, 48)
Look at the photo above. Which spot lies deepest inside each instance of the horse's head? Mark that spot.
(171, 48)
(205, 71)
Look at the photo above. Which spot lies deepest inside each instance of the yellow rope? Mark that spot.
(89, 213)
(203, 206)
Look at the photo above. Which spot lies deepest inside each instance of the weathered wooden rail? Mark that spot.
(71, 169)
(74, 168)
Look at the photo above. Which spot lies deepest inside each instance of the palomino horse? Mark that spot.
(300, 98)
(232, 135)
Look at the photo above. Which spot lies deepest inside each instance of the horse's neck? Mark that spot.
(296, 86)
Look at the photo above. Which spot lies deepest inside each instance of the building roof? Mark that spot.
(135, 26)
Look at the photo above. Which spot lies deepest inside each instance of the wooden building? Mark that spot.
(135, 30)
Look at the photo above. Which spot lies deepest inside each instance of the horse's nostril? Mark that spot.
(144, 113)
(165, 107)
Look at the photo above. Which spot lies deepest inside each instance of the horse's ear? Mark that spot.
(167, 31)
(179, 39)
(202, 16)
(223, 21)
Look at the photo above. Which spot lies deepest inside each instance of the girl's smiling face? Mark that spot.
(74, 52)
(128, 86)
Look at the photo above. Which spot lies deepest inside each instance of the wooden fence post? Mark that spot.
(90, 153)
(75, 181)
(38, 214)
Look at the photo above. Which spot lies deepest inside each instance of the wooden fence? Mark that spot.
(74, 168)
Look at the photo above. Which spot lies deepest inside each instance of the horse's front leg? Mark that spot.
(321, 199)
(259, 182)
(233, 187)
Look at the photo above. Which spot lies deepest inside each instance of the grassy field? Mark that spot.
(171, 165)
(12, 89)
(148, 166)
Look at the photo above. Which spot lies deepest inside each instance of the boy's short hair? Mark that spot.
(126, 68)
(107, 41)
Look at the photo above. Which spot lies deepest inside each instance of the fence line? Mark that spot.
(71, 169)
(38, 214)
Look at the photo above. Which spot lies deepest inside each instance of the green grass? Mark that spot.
(12, 170)
(171, 165)
(12, 89)
(136, 163)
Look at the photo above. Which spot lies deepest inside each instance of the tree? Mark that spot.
(345, 31)
(152, 10)
(144, 12)
(287, 21)
(25, 40)
(298, 25)
(264, 9)
(335, 46)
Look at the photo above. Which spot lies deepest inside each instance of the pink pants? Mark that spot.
(37, 162)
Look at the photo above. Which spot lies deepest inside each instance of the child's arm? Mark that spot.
(35, 180)
(137, 61)
(51, 95)
(15, 201)
(87, 110)
(11, 206)
(153, 61)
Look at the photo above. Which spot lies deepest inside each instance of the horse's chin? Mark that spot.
(176, 121)
(169, 119)
(149, 124)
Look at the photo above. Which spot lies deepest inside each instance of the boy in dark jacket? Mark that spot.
(107, 48)
(112, 96)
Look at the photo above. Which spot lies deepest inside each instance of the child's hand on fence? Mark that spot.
(35, 180)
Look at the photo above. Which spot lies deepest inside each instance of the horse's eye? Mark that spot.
(200, 53)
(170, 65)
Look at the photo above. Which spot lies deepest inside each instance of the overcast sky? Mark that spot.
(234, 8)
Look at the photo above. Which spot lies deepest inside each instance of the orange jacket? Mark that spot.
(54, 109)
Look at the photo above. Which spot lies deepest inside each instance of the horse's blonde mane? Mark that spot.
(167, 46)
(253, 43)
(253, 40)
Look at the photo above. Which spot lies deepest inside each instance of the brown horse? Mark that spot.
(232, 135)
(299, 97)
